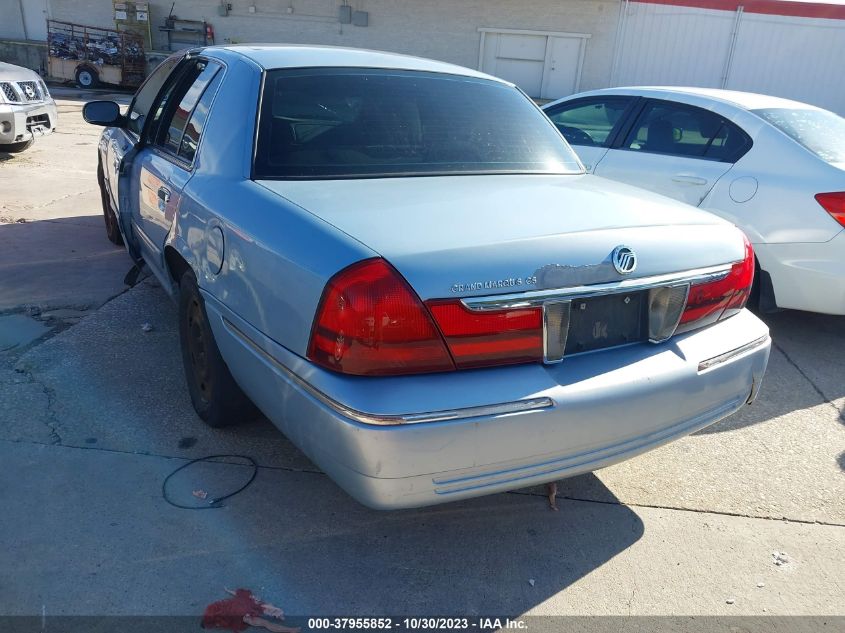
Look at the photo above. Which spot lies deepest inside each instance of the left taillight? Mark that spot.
(370, 323)
(716, 300)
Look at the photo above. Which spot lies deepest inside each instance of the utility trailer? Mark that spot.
(91, 55)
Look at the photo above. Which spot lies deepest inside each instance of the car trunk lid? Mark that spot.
(462, 236)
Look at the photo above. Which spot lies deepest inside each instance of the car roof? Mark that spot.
(274, 56)
(743, 100)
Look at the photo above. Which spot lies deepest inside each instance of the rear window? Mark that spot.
(820, 131)
(342, 123)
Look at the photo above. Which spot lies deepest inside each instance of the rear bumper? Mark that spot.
(605, 407)
(807, 276)
(21, 122)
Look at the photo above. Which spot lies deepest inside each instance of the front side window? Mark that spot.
(591, 122)
(676, 129)
(143, 101)
(820, 131)
(354, 122)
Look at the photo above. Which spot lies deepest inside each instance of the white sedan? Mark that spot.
(773, 167)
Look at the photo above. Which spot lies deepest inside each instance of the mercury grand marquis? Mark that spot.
(404, 266)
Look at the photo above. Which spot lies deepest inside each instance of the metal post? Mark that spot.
(732, 47)
(23, 20)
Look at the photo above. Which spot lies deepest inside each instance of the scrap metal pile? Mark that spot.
(100, 46)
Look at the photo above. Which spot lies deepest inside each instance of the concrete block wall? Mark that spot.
(27, 54)
(440, 29)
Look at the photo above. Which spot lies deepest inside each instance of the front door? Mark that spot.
(164, 165)
(591, 124)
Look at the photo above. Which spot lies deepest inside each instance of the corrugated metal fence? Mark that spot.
(749, 46)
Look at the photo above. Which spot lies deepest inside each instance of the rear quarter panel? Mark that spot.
(276, 257)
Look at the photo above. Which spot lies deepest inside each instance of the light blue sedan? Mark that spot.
(404, 266)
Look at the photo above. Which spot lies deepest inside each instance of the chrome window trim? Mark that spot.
(539, 297)
(503, 408)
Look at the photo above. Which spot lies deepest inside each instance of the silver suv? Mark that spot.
(26, 108)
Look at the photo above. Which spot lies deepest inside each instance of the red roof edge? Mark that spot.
(767, 7)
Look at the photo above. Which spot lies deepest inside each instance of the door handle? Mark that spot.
(689, 179)
(163, 198)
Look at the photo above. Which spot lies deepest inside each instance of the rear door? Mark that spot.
(591, 124)
(676, 150)
(165, 162)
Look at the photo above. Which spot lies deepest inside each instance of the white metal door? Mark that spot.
(35, 19)
(518, 58)
(544, 64)
(563, 60)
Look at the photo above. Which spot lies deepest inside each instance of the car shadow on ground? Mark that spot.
(58, 263)
(505, 553)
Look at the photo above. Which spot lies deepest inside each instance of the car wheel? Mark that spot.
(87, 77)
(216, 397)
(110, 217)
(14, 148)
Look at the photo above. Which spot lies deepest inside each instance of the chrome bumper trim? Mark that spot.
(503, 408)
(539, 297)
(723, 358)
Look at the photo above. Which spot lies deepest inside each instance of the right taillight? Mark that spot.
(715, 300)
(834, 204)
(495, 337)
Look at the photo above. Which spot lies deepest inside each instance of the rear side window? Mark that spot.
(193, 131)
(363, 122)
(180, 105)
(820, 131)
(676, 129)
(590, 122)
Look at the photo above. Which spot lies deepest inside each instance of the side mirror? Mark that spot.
(105, 113)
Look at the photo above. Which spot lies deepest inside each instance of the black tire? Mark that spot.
(87, 77)
(753, 302)
(15, 148)
(216, 397)
(109, 216)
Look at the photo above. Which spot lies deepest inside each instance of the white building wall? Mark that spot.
(440, 29)
(11, 20)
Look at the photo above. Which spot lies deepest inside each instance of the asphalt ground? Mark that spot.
(746, 518)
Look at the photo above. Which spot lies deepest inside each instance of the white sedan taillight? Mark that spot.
(834, 204)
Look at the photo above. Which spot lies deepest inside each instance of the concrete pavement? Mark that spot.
(53, 258)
